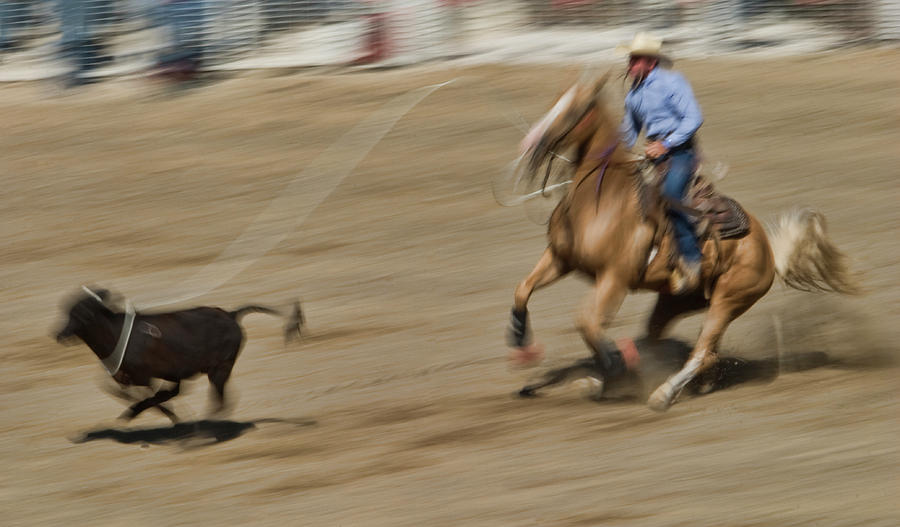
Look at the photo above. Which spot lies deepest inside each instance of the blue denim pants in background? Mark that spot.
(681, 169)
(186, 19)
(74, 19)
(77, 20)
(14, 15)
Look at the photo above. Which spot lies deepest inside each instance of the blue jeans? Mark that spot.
(681, 168)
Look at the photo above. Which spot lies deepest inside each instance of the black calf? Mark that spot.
(169, 346)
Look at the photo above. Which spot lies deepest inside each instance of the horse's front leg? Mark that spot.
(582, 368)
(598, 313)
(548, 270)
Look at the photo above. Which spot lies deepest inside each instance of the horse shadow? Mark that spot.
(663, 358)
(193, 434)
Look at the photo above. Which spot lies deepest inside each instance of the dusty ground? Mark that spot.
(396, 408)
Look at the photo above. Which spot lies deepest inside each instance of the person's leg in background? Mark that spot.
(76, 43)
(13, 15)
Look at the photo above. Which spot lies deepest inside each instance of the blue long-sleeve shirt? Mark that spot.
(664, 104)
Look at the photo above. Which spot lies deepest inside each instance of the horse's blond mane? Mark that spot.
(537, 149)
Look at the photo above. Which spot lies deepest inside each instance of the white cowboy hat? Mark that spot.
(644, 45)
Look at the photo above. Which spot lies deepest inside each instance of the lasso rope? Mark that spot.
(316, 182)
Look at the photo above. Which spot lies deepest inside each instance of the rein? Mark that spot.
(605, 156)
(605, 159)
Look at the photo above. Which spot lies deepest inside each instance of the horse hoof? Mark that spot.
(588, 387)
(705, 388)
(660, 401)
(658, 404)
(79, 438)
(527, 393)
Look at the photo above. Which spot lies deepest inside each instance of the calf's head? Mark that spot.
(82, 312)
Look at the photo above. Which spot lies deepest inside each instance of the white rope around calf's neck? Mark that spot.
(113, 362)
(93, 295)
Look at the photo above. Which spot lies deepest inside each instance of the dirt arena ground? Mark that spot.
(397, 409)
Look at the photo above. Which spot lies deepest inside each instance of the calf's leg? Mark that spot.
(157, 399)
(218, 376)
(120, 393)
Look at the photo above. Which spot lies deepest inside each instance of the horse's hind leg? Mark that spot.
(668, 309)
(157, 399)
(548, 270)
(722, 312)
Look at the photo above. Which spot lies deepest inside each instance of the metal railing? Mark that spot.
(44, 38)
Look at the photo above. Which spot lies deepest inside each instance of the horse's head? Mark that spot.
(82, 311)
(573, 121)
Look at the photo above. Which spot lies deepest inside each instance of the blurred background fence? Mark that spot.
(42, 38)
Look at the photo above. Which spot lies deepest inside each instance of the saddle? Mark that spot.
(712, 213)
(716, 213)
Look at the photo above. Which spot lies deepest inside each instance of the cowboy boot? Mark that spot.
(685, 278)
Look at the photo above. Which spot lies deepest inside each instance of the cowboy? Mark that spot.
(661, 103)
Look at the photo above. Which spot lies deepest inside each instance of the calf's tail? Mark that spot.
(238, 313)
(293, 326)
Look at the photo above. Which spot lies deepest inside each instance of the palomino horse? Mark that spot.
(600, 229)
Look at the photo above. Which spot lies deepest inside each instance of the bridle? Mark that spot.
(551, 149)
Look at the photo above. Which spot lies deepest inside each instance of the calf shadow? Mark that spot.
(661, 359)
(190, 435)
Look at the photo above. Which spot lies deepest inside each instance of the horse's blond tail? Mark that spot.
(805, 258)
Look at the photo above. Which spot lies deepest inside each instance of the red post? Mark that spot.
(375, 42)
